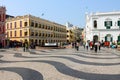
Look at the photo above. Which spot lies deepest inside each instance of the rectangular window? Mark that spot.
(32, 34)
(0, 17)
(10, 33)
(48, 27)
(20, 33)
(25, 24)
(7, 25)
(15, 33)
(4, 17)
(20, 23)
(32, 24)
(10, 25)
(15, 24)
(39, 34)
(51, 28)
(119, 24)
(39, 25)
(42, 26)
(7, 34)
(108, 24)
(36, 24)
(118, 38)
(0, 29)
(25, 33)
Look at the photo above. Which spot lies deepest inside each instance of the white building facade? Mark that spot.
(103, 27)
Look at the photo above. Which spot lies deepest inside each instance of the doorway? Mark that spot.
(95, 38)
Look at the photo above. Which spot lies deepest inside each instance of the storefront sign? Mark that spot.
(50, 44)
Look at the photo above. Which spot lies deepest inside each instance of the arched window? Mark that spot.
(95, 24)
(32, 24)
(95, 38)
(36, 34)
(36, 24)
(32, 33)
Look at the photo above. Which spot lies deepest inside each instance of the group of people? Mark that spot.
(26, 46)
(93, 45)
(75, 45)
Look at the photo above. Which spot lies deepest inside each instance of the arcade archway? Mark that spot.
(95, 38)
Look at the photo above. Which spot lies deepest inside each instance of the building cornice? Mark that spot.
(32, 17)
(105, 13)
(105, 29)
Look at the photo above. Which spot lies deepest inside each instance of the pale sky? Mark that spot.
(60, 11)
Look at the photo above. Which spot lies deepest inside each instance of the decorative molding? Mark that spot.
(105, 29)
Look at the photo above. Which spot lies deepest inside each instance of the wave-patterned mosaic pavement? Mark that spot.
(59, 64)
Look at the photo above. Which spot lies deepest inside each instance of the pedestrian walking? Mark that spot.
(96, 46)
(87, 45)
(72, 44)
(91, 45)
(84, 45)
(24, 47)
(77, 46)
(99, 45)
(15, 46)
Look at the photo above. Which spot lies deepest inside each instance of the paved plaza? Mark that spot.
(59, 64)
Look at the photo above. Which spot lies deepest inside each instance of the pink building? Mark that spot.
(2, 26)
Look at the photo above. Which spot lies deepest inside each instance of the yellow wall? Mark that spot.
(58, 31)
(12, 28)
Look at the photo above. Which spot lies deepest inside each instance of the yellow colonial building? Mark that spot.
(34, 30)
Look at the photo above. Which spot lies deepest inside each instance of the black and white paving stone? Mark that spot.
(59, 64)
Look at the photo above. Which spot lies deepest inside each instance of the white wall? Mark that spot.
(101, 30)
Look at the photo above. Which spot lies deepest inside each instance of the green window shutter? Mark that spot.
(111, 39)
(105, 38)
(119, 23)
(105, 23)
(111, 23)
(108, 23)
(118, 38)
